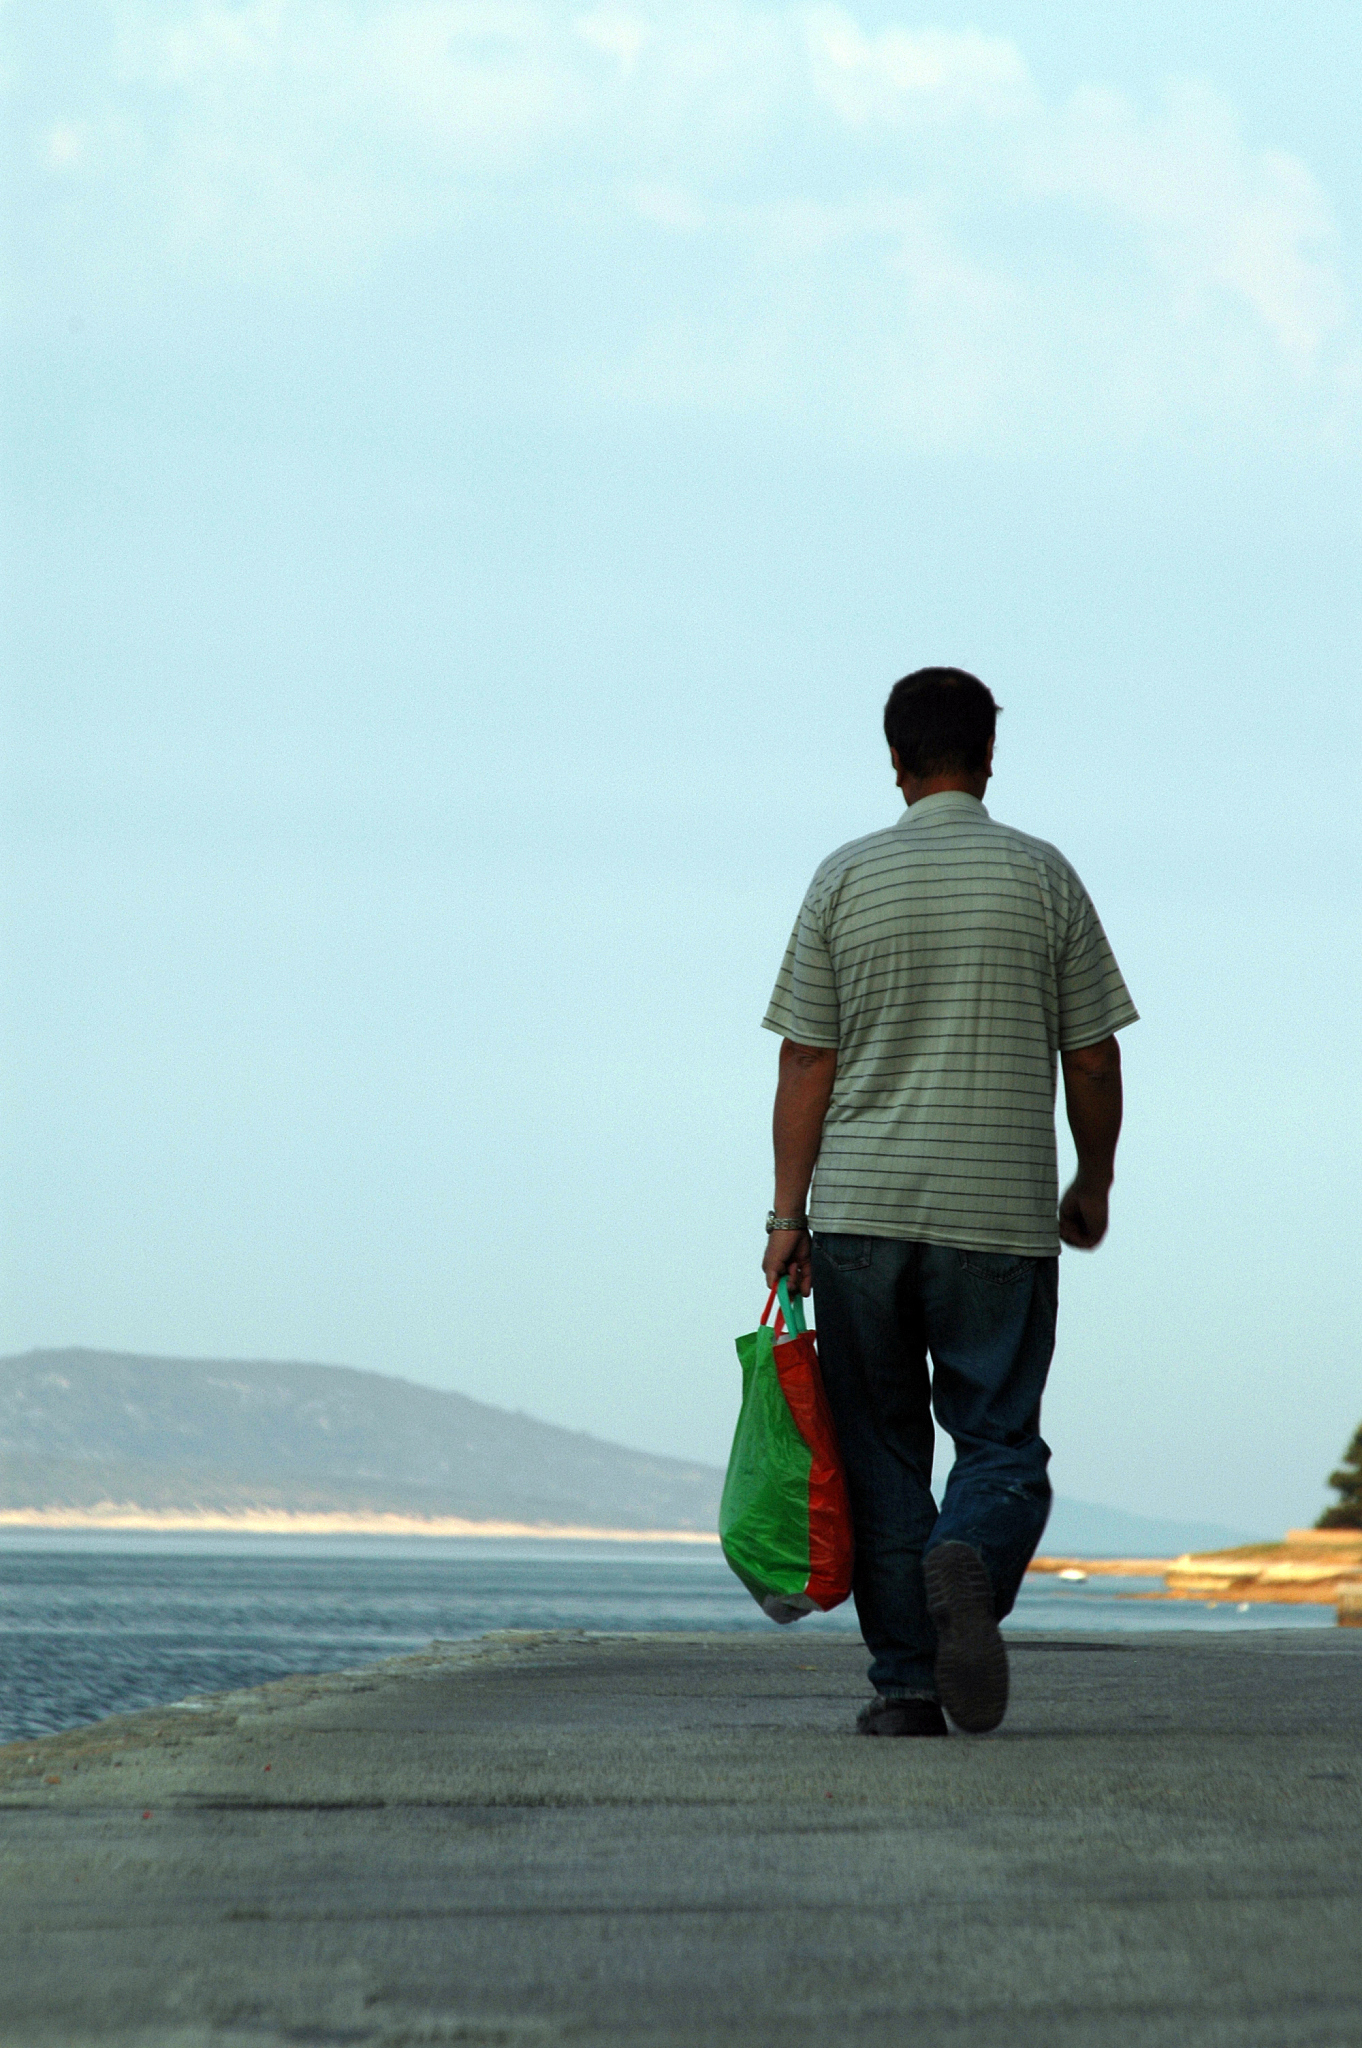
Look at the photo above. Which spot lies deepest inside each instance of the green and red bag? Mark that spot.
(784, 1522)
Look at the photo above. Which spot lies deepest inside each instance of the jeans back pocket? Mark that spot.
(846, 1253)
(1000, 1269)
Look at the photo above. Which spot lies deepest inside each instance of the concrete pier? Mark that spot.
(678, 1841)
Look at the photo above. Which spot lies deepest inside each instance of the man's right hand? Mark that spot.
(789, 1256)
(1083, 1215)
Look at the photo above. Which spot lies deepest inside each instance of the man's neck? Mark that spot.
(915, 787)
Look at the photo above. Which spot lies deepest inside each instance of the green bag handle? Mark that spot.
(791, 1307)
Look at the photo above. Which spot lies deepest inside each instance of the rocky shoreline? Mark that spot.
(1318, 1567)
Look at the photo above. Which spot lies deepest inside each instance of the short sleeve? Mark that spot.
(1093, 999)
(803, 1003)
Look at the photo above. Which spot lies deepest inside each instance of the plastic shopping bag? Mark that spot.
(784, 1522)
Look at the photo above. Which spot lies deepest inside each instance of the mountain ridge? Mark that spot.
(81, 1429)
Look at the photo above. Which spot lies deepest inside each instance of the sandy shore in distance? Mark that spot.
(1310, 1567)
(124, 1518)
(1105, 1567)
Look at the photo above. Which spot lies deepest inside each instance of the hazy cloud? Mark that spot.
(903, 233)
(901, 74)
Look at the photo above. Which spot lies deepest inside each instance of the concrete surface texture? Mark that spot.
(679, 1840)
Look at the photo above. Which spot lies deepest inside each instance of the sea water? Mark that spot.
(93, 1625)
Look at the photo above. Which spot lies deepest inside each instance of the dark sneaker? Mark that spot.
(901, 1717)
(971, 1663)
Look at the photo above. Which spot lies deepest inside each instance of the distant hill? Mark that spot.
(1079, 1528)
(82, 1428)
(78, 1428)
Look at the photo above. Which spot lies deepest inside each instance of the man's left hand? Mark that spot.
(1083, 1215)
(789, 1255)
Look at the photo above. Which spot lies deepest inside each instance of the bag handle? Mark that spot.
(793, 1305)
(790, 1312)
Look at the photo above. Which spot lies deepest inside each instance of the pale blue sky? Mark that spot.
(473, 474)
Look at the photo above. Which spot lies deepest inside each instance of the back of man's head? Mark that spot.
(939, 721)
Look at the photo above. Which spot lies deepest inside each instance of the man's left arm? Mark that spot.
(803, 1092)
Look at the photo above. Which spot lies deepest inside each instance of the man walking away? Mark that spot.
(936, 973)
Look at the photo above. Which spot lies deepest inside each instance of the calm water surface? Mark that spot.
(94, 1625)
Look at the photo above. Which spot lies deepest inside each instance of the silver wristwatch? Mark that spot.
(774, 1222)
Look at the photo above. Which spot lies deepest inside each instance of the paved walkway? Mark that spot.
(677, 1841)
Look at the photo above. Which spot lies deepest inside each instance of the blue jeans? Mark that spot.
(988, 1321)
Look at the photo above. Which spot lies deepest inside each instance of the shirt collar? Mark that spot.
(940, 805)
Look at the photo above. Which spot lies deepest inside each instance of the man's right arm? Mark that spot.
(1092, 1098)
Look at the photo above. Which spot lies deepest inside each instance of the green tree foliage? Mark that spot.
(1346, 1512)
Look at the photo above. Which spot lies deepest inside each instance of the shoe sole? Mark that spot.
(971, 1661)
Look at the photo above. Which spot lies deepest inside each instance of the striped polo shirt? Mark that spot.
(948, 959)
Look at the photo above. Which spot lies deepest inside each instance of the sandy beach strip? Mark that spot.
(126, 1518)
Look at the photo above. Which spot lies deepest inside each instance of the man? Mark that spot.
(936, 973)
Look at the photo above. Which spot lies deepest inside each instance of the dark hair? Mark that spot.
(939, 719)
